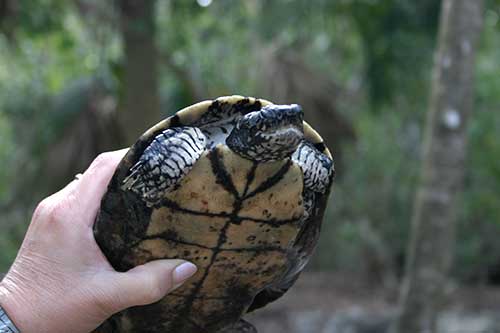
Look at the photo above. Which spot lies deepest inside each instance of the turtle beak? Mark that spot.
(294, 115)
(285, 125)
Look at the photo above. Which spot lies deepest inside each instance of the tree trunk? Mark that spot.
(436, 205)
(140, 105)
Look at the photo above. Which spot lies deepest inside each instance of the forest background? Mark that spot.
(81, 77)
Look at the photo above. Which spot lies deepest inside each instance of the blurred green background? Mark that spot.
(360, 68)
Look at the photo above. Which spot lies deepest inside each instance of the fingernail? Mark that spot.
(183, 272)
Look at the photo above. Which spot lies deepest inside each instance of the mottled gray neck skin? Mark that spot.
(270, 134)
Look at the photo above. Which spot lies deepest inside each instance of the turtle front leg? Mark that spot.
(242, 326)
(165, 162)
(316, 166)
(318, 171)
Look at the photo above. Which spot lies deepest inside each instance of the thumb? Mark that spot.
(147, 283)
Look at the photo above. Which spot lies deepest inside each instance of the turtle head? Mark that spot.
(270, 134)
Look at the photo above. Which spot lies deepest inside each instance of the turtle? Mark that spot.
(236, 185)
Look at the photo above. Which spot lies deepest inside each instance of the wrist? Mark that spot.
(13, 303)
(6, 324)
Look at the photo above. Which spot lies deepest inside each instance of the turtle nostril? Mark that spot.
(296, 110)
(294, 114)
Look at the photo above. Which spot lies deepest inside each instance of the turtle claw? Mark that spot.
(165, 162)
(242, 326)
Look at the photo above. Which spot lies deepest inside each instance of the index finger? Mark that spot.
(94, 181)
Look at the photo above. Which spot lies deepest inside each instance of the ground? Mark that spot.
(336, 303)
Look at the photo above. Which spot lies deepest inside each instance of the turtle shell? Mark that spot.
(238, 220)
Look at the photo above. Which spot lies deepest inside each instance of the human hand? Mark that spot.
(61, 281)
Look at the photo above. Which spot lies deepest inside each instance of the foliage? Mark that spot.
(376, 187)
(398, 37)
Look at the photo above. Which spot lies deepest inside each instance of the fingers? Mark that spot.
(146, 283)
(93, 183)
(87, 190)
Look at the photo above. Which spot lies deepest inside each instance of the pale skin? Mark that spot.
(61, 281)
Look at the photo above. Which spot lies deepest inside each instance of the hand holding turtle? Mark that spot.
(237, 185)
(61, 281)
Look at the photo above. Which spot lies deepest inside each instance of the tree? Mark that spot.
(140, 106)
(443, 166)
